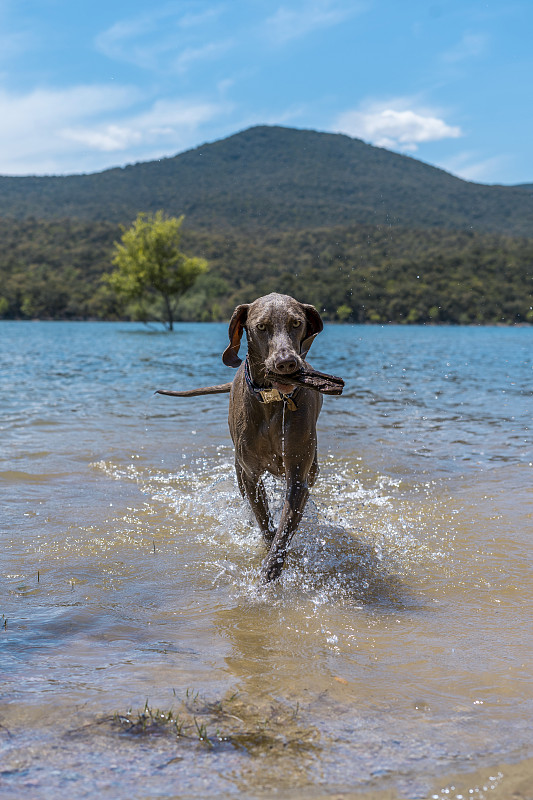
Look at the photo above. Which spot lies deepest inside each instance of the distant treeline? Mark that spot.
(359, 273)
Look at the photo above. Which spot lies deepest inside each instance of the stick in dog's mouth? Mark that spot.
(319, 381)
(310, 378)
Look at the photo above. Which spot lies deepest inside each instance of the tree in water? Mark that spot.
(150, 267)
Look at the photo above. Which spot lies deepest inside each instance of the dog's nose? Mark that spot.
(286, 365)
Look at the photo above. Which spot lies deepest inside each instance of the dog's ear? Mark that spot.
(230, 356)
(314, 326)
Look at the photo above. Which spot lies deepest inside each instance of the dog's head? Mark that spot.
(279, 329)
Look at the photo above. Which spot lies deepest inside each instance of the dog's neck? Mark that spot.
(256, 372)
(257, 369)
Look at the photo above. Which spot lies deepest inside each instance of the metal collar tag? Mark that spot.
(270, 395)
(275, 396)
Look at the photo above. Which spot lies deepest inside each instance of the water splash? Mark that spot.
(361, 537)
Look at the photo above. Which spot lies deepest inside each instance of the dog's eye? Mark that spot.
(261, 326)
(296, 323)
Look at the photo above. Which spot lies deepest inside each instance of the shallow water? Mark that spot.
(394, 651)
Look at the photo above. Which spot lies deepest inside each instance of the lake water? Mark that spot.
(393, 657)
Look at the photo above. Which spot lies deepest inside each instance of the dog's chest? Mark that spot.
(260, 440)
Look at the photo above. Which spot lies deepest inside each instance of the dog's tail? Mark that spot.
(220, 389)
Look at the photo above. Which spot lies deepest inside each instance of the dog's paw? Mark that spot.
(271, 569)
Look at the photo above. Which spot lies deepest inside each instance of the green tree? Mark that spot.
(150, 267)
(343, 312)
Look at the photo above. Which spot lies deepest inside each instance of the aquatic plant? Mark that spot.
(230, 721)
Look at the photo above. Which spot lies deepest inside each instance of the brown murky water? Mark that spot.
(139, 656)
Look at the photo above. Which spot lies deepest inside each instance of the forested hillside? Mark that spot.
(280, 179)
(364, 234)
(360, 273)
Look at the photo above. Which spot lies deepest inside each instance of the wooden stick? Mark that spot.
(319, 381)
(220, 389)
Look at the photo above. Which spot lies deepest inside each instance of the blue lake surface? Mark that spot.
(401, 630)
(457, 396)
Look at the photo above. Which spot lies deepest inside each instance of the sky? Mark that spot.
(85, 86)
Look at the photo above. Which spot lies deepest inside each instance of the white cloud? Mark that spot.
(471, 45)
(291, 23)
(114, 41)
(201, 18)
(164, 124)
(136, 42)
(395, 126)
(109, 138)
(14, 44)
(165, 38)
(30, 139)
(205, 52)
(469, 166)
(65, 131)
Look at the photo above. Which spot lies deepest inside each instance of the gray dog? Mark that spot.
(273, 424)
(273, 411)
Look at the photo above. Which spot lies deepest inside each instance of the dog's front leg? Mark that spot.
(293, 508)
(253, 490)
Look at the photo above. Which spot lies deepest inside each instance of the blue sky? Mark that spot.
(89, 85)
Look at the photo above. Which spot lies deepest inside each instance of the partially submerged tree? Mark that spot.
(151, 268)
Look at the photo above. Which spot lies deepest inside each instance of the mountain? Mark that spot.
(279, 179)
